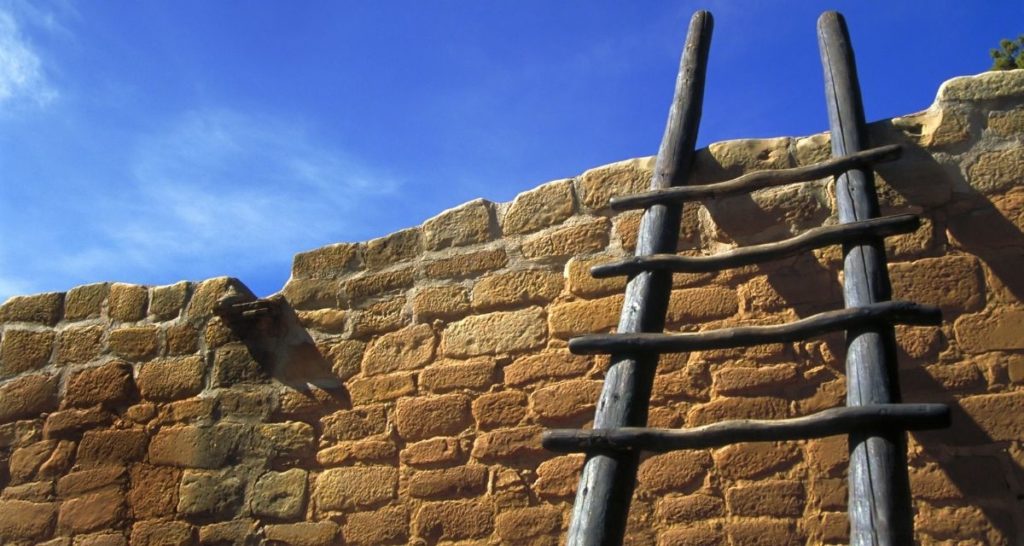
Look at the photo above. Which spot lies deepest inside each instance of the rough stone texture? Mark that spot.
(464, 225)
(24, 350)
(355, 487)
(500, 332)
(402, 396)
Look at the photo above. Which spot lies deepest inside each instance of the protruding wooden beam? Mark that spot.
(810, 239)
(829, 422)
(758, 180)
(855, 318)
(607, 480)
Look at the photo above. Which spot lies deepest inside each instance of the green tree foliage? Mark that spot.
(1010, 54)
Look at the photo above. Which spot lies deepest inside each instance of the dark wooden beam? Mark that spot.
(854, 318)
(829, 422)
(810, 239)
(758, 180)
(880, 508)
(607, 480)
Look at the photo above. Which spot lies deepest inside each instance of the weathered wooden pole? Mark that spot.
(608, 479)
(880, 510)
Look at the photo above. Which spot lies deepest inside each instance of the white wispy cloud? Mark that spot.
(22, 76)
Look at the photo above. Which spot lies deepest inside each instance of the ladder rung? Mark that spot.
(829, 422)
(893, 312)
(810, 239)
(758, 179)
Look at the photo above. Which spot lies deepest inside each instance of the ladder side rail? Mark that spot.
(608, 479)
(879, 493)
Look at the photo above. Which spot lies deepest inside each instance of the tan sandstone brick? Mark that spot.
(379, 317)
(72, 422)
(375, 284)
(997, 171)
(91, 512)
(26, 522)
(27, 397)
(466, 224)
(449, 483)
(319, 533)
(581, 283)
(776, 498)
(466, 264)
(526, 524)
(764, 532)
(689, 305)
(585, 317)
(548, 365)
(559, 476)
(127, 302)
(996, 331)
(347, 488)
(314, 294)
(327, 262)
(407, 349)
(280, 495)
(39, 308)
(367, 390)
(154, 491)
(116, 446)
(754, 459)
(135, 343)
(171, 378)
(360, 451)
(701, 534)
(421, 418)
(498, 409)
(498, 332)
(690, 508)
(544, 206)
(354, 424)
(454, 520)
(182, 339)
(449, 375)
(434, 451)
(86, 301)
(676, 471)
(597, 186)
(385, 526)
(516, 289)
(587, 235)
(79, 345)
(722, 409)
(167, 302)
(567, 400)
(508, 443)
(951, 282)
(393, 248)
(750, 381)
(331, 321)
(440, 302)
(24, 350)
(108, 384)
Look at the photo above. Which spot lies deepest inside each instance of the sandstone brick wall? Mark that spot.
(395, 389)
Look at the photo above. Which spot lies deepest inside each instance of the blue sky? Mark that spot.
(151, 142)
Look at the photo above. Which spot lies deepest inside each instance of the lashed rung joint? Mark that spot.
(808, 240)
(829, 422)
(758, 180)
(891, 312)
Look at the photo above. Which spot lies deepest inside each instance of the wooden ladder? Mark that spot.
(874, 420)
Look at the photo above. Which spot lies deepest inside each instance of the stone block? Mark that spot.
(544, 206)
(448, 375)
(828, 456)
(690, 508)
(91, 512)
(679, 471)
(79, 345)
(380, 317)
(328, 262)
(527, 524)
(25, 461)
(171, 378)
(360, 451)
(207, 293)
(352, 488)
(509, 444)
(626, 226)
(449, 483)
(354, 424)
(135, 343)
(722, 409)
(39, 308)
(998, 330)
(580, 282)
(127, 302)
(597, 186)
(701, 534)
(320, 533)
(499, 409)
(24, 350)
(210, 494)
(280, 495)
(558, 477)
(109, 384)
(421, 418)
(154, 491)
(435, 451)
(444, 302)
(331, 321)
(26, 522)
(182, 339)
(516, 289)
(777, 498)
(381, 388)
(345, 356)
(236, 531)
(167, 302)
(86, 481)
(545, 366)
(86, 301)
(27, 396)
(410, 348)
(689, 305)
(466, 264)
(41, 491)
(498, 332)
(466, 224)
(764, 532)
(112, 446)
(375, 284)
(385, 526)
(585, 316)
(314, 294)
(829, 493)
(568, 400)
(753, 460)
(453, 520)
(753, 381)
(285, 444)
(162, 533)
(688, 383)
(1006, 123)
(954, 283)
(589, 234)
(391, 249)
(234, 364)
(99, 539)
(997, 415)
(997, 171)
(197, 446)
